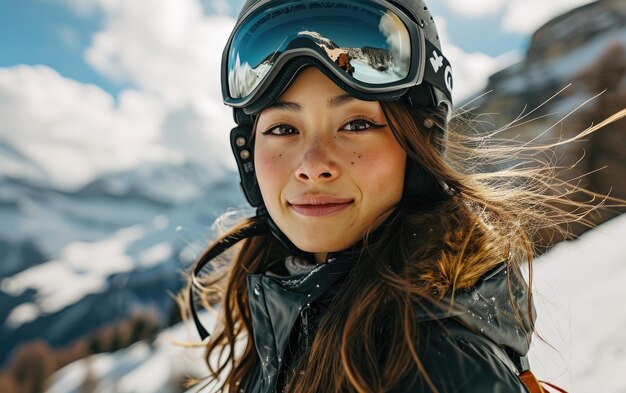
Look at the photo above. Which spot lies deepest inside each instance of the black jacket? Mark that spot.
(476, 346)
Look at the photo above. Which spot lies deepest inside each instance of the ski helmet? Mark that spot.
(392, 50)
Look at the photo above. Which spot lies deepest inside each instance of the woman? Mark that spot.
(381, 259)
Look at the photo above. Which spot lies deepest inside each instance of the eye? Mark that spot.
(361, 124)
(280, 130)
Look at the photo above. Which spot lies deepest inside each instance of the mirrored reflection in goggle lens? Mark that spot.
(366, 40)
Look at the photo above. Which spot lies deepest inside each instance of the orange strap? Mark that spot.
(528, 378)
(534, 386)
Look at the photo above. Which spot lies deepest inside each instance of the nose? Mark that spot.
(318, 165)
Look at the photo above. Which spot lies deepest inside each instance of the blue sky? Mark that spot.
(92, 86)
(52, 33)
(47, 32)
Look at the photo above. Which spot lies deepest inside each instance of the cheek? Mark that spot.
(380, 170)
(270, 169)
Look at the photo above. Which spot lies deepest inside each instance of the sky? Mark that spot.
(93, 86)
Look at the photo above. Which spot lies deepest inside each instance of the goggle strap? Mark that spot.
(438, 71)
(259, 228)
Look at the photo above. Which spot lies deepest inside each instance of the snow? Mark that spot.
(85, 265)
(156, 254)
(140, 368)
(24, 313)
(579, 292)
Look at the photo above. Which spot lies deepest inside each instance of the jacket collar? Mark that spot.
(494, 306)
(277, 301)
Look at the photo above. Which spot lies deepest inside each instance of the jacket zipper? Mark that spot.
(304, 315)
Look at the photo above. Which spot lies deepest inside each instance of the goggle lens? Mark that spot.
(366, 40)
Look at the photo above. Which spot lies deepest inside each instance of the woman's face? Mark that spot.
(328, 164)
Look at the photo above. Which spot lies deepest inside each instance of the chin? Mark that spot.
(316, 246)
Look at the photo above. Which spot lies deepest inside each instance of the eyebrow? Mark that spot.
(295, 107)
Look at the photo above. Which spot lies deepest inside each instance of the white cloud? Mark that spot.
(167, 47)
(475, 8)
(73, 132)
(471, 71)
(519, 16)
(221, 6)
(525, 16)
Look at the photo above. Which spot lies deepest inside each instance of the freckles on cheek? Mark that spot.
(367, 161)
(356, 158)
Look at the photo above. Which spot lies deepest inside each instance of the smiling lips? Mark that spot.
(318, 205)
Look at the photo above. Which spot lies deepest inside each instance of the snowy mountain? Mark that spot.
(319, 39)
(73, 261)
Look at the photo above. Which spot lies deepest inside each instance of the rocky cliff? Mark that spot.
(584, 53)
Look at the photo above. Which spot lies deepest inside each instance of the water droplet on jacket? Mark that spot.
(317, 285)
(482, 330)
(493, 299)
(475, 296)
(309, 295)
(256, 291)
(266, 347)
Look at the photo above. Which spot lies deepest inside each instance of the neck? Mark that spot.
(320, 257)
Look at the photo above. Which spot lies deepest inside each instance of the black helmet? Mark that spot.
(394, 46)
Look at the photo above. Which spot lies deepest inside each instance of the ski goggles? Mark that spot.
(370, 45)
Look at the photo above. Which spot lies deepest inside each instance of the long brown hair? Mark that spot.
(490, 212)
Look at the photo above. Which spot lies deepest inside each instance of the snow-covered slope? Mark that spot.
(579, 292)
(140, 368)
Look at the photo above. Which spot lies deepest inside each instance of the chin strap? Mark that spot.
(259, 228)
(263, 225)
